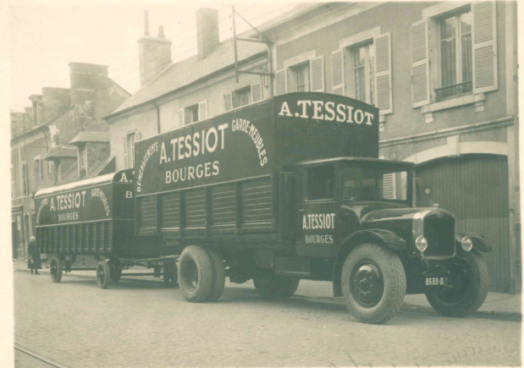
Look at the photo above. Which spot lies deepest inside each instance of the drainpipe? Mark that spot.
(157, 116)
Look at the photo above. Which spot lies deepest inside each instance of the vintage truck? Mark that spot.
(292, 188)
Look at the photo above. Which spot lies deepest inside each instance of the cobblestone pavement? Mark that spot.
(144, 324)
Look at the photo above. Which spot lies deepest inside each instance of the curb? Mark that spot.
(407, 307)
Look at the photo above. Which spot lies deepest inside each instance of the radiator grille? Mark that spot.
(440, 234)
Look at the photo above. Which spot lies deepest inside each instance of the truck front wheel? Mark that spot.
(373, 283)
(195, 274)
(470, 284)
(277, 287)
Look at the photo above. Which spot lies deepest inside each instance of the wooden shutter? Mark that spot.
(202, 110)
(484, 47)
(256, 92)
(281, 82)
(419, 64)
(316, 67)
(181, 117)
(383, 90)
(337, 72)
(125, 152)
(228, 101)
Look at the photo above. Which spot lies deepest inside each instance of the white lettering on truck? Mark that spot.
(327, 111)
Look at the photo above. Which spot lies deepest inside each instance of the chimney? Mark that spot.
(154, 53)
(207, 31)
(90, 88)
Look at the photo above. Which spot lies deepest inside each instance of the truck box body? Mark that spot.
(93, 216)
(224, 179)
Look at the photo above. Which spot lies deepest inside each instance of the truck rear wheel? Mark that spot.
(103, 274)
(277, 287)
(170, 274)
(55, 269)
(219, 276)
(195, 274)
(373, 283)
(470, 288)
(115, 272)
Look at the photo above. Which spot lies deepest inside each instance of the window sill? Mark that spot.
(454, 102)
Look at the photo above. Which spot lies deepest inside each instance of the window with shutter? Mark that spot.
(242, 97)
(384, 95)
(337, 72)
(317, 74)
(363, 72)
(256, 92)
(228, 101)
(484, 47)
(281, 82)
(202, 111)
(419, 64)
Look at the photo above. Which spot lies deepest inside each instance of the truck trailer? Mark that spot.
(286, 189)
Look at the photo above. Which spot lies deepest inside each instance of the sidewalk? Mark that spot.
(496, 306)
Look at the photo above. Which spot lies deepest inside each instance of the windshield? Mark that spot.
(374, 183)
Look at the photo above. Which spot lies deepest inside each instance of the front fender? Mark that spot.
(479, 243)
(385, 237)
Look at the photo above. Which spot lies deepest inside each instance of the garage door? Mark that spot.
(475, 189)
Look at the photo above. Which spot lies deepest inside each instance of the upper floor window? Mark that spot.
(363, 57)
(454, 53)
(301, 74)
(242, 97)
(192, 114)
(456, 59)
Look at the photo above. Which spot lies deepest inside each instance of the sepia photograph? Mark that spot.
(261, 184)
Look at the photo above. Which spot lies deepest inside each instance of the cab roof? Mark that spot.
(357, 160)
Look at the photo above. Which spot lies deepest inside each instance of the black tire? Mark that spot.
(56, 269)
(219, 276)
(373, 283)
(170, 274)
(103, 274)
(470, 289)
(277, 287)
(115, 273)
(195, 274)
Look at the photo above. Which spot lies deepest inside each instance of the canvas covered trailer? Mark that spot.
(226, 179)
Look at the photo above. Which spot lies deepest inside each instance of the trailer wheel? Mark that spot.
(195, 274)
(55, 269)
(373, 283)
(170, 274)
(219, 276)
(103, 274)
(115, 273)
(277, 287)
(470, 288)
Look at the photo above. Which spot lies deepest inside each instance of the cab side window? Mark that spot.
(321, 182)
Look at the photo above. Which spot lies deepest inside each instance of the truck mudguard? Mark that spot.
(386, 237)
(479, 243)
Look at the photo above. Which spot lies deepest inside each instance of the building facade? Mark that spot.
(42, 153)
(443, 74)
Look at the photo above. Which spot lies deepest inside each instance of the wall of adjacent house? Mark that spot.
(404, 118)
(97, 153)
(210, 91)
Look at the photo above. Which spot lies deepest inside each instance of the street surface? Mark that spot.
(144, 324)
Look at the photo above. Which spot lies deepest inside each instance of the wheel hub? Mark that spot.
(367, 286)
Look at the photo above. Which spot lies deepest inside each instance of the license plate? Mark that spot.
(435, 281)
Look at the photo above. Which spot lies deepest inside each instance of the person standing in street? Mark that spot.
(34, 262)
